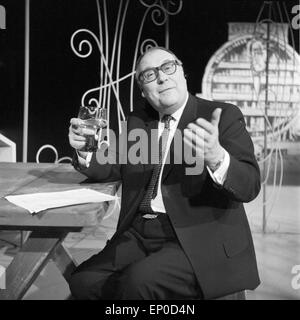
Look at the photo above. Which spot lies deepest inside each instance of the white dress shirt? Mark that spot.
(157, 204)
(219, 176)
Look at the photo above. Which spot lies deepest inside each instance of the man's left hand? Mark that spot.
(203, 137)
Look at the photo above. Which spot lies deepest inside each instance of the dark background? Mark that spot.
(58, 78)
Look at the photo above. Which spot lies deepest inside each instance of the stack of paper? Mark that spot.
(36, 202)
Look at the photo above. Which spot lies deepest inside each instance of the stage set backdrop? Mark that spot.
(57, 55)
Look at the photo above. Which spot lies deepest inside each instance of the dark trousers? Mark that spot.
(145, 262)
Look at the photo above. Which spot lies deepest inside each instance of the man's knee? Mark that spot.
(137, 283)
(81, 283)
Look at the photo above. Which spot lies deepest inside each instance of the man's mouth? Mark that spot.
(164, 90)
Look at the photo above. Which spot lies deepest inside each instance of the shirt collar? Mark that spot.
(177, 114)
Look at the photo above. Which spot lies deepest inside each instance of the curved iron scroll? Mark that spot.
(110, 50)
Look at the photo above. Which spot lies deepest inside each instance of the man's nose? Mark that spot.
(161, 77)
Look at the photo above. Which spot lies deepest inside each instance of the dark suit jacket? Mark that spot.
(209, 220)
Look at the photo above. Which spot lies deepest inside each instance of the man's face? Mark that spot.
(167, 93)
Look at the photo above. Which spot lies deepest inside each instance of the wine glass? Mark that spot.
(93, 121)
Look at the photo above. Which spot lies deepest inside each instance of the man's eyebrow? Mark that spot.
(168, 60)
(163, 62)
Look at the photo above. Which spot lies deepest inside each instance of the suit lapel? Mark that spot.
(152, 134)
(191, 112)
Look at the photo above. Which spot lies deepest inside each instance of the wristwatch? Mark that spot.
(217, 165)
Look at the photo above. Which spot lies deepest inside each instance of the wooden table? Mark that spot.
(48, 228)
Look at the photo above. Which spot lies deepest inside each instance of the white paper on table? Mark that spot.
(36, 202)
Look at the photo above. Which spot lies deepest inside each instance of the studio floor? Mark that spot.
(277, 250)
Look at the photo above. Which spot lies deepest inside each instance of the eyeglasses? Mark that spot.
(151, 74)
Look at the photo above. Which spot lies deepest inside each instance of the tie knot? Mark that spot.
(166, 120)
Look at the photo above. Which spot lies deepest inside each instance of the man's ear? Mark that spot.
(141, 88)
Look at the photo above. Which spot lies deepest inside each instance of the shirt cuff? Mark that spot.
(220, 175)
(84, 162)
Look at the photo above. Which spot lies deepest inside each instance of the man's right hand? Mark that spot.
(76, 138)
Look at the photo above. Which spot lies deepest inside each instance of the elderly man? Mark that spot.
(179, 235)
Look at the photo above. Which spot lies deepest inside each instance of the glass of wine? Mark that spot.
(93, 121)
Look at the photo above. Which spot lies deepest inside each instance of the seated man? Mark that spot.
(179, 235)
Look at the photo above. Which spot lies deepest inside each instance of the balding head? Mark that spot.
(150, 50)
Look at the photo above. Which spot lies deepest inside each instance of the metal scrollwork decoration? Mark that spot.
(275, 68)
(110, 50)
(275, 90)
(259, 71)
(157, 8)
(51, 147)
(160, 10)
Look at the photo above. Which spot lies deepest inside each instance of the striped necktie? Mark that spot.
(145, 205)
